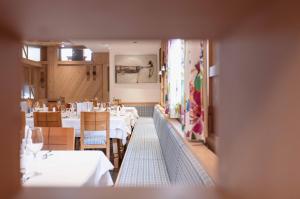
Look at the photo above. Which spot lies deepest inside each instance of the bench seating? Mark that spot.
(157, 156)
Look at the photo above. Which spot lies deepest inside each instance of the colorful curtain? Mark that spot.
(176, 54)
(194, 109)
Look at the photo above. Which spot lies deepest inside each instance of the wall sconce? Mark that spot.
(42, 80)
(94, 73)
(88, 73)
(160, 73)
(163, 68)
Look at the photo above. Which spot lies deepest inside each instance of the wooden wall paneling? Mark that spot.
(94, 72)
(205, 86)
(102, 59)
(39, 89)
(73, 83)
(35, 81)
(74, 63)
(26, 75)
(88, 72)
(101, 76)
(105, 80)
(52, 52)
(212, 45)
(70, 80)
(43, 53)
(32, 76)
(28, 62)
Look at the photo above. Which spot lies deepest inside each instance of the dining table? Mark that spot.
(121, 123)
(69, 169)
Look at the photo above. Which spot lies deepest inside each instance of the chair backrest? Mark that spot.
(95, 102)
(57, 138)
(52, 105)
(95, 121)
(47, 119)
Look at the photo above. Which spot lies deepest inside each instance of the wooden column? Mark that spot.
(52, 56)
(205, 88)
(102, 61)
(10, 117)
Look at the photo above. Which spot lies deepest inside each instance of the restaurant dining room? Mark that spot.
(149, 99)
(117, 113)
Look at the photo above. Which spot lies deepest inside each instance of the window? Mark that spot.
(75, 54)
(27, 92)
(176, 51)
(66, 54)
(31, 52)
(87, 54)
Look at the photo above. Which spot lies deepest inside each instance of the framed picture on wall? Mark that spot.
(136, 69)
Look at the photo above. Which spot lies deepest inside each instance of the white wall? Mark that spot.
(142, 92)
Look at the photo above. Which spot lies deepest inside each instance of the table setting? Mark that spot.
(61, 168)
(122, 119)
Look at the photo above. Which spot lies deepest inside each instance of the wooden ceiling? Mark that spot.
(57, 20)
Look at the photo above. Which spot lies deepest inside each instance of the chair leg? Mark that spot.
(120, 151)
(108, 149)
(116, 157)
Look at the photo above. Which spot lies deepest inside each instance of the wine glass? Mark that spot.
(36, 144)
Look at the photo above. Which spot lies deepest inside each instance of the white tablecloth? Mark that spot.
(120, 126)
(133, 111)
(70, 169)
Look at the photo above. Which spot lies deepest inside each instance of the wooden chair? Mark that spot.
(57, 138)
(95, 121)
(51, 105)
(47, 119)
(95, 102)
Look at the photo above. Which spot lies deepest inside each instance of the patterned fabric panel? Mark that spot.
(157, 156)
(141, 173)
(183, 168)
(144, 144)
(143, 164)
(144, 110)
(94, 137)
(161, 123)
(155, 116)
(190, 171)
(144, 120)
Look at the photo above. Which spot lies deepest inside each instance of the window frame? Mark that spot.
(74, 47)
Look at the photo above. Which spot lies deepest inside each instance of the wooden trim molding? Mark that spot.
(74, 63)
(31, 63)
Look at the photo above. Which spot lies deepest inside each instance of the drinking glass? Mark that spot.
(36, 144)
